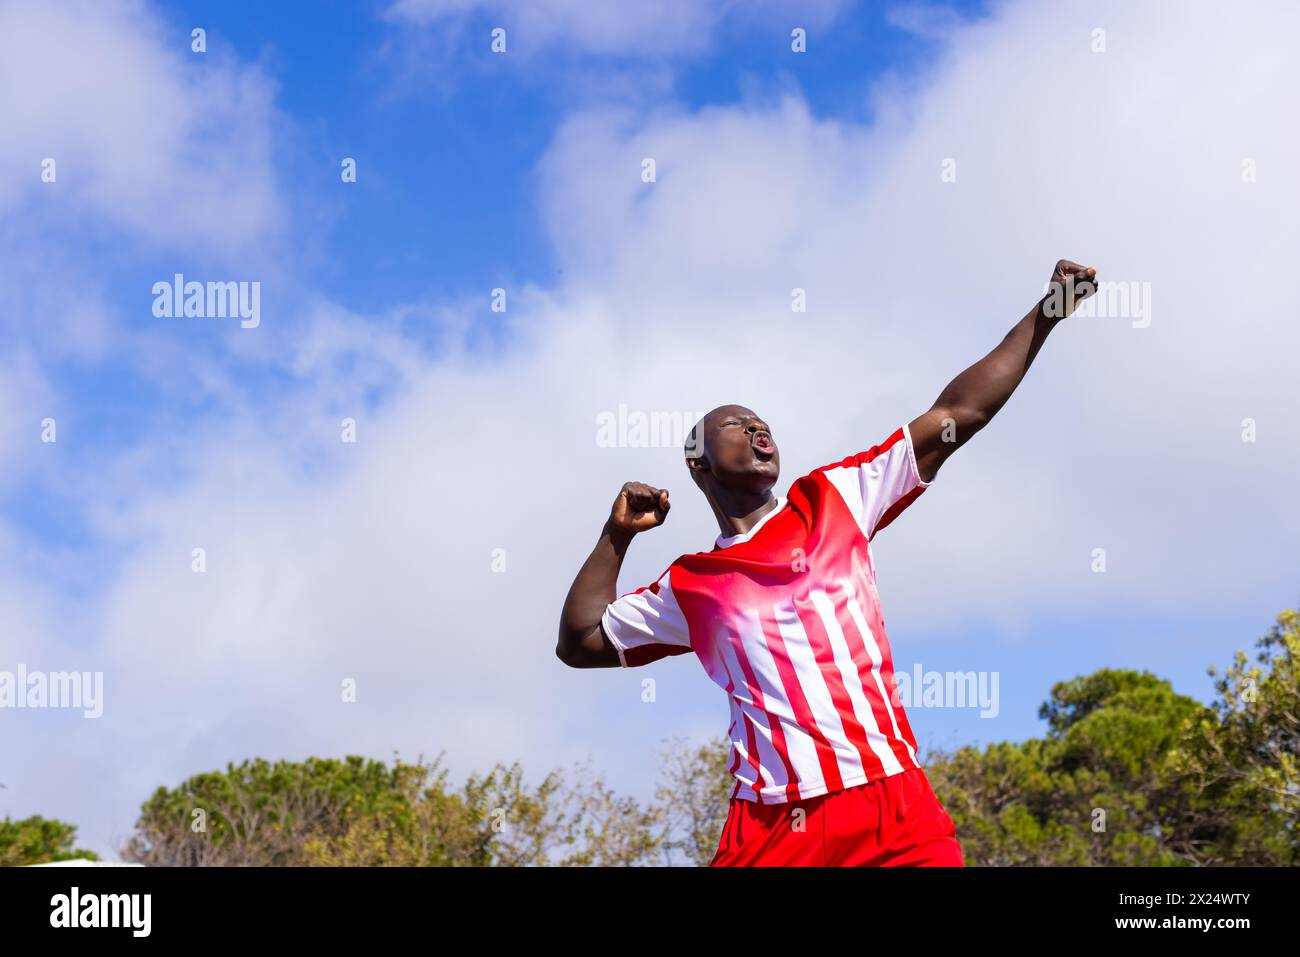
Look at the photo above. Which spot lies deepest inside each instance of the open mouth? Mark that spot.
(763, 445)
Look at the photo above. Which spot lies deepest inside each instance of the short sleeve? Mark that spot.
(647, 624)
(879, 483)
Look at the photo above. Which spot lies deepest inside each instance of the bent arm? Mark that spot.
(970, 401)
(582, 642)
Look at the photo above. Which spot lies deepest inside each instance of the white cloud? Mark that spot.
(372, 560)
(148, 137)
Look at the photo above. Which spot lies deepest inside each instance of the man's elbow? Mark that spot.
(566, 654)
(570, 649)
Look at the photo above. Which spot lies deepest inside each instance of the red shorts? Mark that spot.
(894, 822)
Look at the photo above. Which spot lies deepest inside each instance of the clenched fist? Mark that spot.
(639, 507)
(1070, 285)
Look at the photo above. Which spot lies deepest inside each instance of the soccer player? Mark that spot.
(784, 615)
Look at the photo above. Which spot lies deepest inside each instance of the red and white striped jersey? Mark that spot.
(786, 618)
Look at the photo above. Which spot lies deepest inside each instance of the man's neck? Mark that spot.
(739, 513)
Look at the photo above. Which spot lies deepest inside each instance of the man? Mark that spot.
(784, 615)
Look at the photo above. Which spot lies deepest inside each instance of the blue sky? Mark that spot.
(821, 171)
(452, 144)
(445, 205)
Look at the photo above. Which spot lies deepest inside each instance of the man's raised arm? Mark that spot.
(583, 643)
(975, 396)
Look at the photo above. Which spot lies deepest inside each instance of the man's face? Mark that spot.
(738, 450)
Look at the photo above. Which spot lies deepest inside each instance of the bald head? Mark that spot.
(732, 447)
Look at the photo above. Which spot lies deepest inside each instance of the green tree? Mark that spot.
(38, 840)
(1132, 773)
(260, 813)
(692, 798)
(1240, 766)
(1093, 791)
(359, 812)
(495, 820)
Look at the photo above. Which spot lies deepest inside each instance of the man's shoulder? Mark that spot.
(856, 459)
